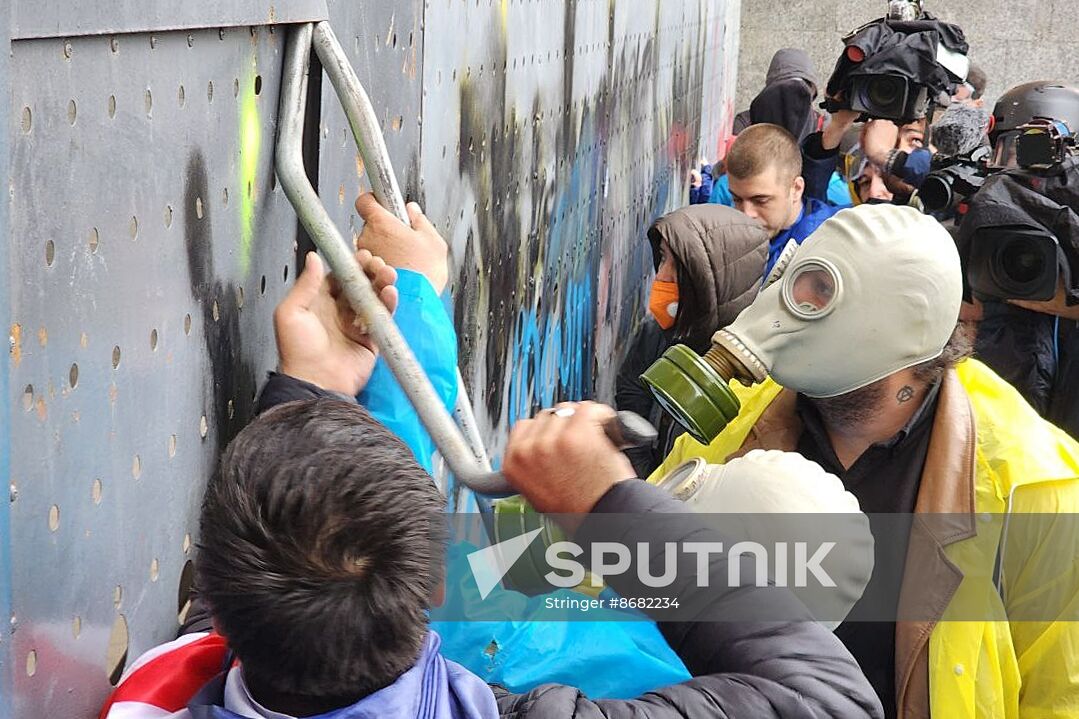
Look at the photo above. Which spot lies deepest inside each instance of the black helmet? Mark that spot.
(1045, 100)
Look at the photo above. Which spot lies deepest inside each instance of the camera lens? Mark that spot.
(1022, 262)
(885, 91)
(936, 192)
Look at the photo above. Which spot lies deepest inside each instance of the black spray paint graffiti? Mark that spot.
(232, 375)
(528, 303)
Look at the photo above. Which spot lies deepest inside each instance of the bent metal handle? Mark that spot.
(463, 462)
(376, 159)
(468, 463)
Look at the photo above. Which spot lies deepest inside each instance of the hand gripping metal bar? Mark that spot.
(469, 464)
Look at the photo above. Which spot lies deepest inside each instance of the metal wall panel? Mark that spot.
(553, 136)
(76, 18)
(149, 246)
(384, 44)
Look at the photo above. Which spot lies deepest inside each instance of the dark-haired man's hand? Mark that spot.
(561, 460)
(318, 337)
(418, 248)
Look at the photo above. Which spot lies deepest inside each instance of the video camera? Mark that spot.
(894, 67)
(953, 180)
(1020, 235)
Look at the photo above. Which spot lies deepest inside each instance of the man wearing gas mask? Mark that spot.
(1020, 244)
(859, 366)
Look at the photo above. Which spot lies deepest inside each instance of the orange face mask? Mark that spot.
(663, 303)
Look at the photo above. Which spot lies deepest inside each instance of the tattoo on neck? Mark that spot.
(905, 395)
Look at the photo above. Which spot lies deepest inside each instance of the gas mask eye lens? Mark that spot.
(811, 291)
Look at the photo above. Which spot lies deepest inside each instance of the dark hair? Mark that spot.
(762, 146)
(977, 79)
(960, 347)
(320, 550)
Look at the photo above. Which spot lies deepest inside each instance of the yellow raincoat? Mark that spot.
(998, 561)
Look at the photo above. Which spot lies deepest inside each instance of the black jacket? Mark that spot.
(740, 669)
(1037, 355)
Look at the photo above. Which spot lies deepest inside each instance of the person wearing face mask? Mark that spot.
(860, 366)
(709, 262)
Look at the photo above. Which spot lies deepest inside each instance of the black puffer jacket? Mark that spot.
(721, 255)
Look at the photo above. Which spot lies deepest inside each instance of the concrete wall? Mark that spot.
(1013, 40)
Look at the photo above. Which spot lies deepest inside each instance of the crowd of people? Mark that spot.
(320, 549)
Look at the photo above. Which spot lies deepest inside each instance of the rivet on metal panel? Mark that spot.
(198, 207)
(153, 340)
(72, 111)
(136, 467)
(28, 397)
(27, 120)
(114, 45)
(210, 91)
(215, 311)
(73, 375)
(31, 663)
(239, 298)
(116, 356)
(117, 596)
(190, 40)
(172, 446)
(95, 491)
(67, 49)
(168, 216)
(155, 570)
(186, 546)
(94, 239)
(50, 253)
(204, 427)
(236, 87)
(181, 97)
(54, 518)
(262, 285)
(258, 84)
(112, 106)
(148, 102)
(221, 33)
(231, 409)
(153, 41)
(284, 274)
(76, 626)
(116, 652)
(187, 324)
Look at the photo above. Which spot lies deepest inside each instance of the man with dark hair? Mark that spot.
(764, 168)
(321, 552)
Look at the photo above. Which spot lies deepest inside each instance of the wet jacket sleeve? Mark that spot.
(818, 165)
(741, 669)
(426, 326)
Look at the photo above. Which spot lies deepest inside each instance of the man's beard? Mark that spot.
(852, 409)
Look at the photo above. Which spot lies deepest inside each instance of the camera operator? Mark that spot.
(1019, 241)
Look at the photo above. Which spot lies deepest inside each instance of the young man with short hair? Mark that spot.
(765, 175)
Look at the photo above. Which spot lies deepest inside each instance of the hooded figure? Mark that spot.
(719, 255)
(790, 89)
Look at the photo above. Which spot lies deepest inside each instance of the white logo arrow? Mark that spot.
(490, 565)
